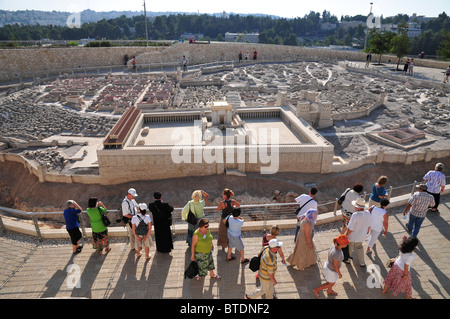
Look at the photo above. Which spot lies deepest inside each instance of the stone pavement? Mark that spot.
(420, 72)
(33, 270)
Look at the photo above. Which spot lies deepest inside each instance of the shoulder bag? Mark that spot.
(105, 218)
(191, 219)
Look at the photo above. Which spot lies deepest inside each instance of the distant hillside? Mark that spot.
(58, 18)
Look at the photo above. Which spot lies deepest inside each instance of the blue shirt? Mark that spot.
(235, 226)
(71, 217)
(377, 192)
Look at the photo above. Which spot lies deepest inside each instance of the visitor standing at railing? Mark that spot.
(235, 222)
(378, 191)
(71, 214)
(100, 236)
(225, 207)
(347, 208)
(196, 206)
(162, 220)
(435, 181)
(142, 226)
(306, 202)
(130, 209)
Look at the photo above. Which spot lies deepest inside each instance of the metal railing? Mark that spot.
(256, 212)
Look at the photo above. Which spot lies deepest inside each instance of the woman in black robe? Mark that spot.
(162, 220)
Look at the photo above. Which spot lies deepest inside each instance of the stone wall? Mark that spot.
(28, 63)
(19, 64)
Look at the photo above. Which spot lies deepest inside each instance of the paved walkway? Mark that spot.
(33, 270)
(420, 72)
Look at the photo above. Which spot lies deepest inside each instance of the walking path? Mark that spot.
(30, 269)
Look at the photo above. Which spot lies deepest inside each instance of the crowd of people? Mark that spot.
(363, 222)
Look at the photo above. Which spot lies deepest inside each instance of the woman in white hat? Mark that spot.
(142, 226)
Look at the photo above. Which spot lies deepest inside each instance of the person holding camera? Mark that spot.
(100, 236)
(72, 226)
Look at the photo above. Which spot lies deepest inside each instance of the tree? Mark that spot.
(379, 42)
(400, 42)
(444, 48)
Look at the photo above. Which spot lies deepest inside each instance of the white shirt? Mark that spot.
(377, 218)
(435, 180)
(359, 224)
(347, 203)
(129, 207)
(135, 220)
(301, 200)
(405, 259)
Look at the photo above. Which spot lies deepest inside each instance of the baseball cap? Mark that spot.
(132, 192)
(275, 243)
(143, 206)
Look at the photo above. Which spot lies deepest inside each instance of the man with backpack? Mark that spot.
(142, 226)
(267, 271)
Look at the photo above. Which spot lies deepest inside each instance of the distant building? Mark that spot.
(194, 36)
(351, 24)
(242, 37)
(328, 26)
(86, 41)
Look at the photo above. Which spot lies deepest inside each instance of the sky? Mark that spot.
(282, 8)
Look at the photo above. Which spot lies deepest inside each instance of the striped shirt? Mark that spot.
(435, 180)
(420, 202)
(268, 264)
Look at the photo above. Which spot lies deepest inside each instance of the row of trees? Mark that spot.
(301, 30)
(435, 40)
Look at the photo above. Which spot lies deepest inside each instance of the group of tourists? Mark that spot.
(362, 222)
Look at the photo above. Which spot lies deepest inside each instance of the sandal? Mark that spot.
(316, 293)
(332, 293)
(216, 276)
(231, 258)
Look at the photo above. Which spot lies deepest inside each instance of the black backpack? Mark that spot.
(142, 228)
(255, 262)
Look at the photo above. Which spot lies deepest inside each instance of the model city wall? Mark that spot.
(32, 63)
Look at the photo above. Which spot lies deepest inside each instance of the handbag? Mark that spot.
(391, 262)
(105, 218)
(191, 219)
(227, 224)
